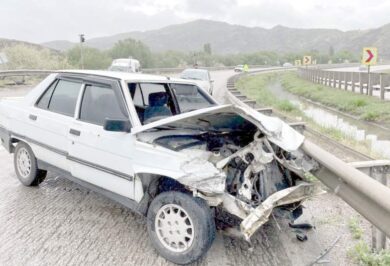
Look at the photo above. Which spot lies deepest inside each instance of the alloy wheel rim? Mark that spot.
(174, 228)
(23, 162)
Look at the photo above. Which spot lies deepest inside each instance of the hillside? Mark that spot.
(9, 43)
(60, 45)
(226, 38)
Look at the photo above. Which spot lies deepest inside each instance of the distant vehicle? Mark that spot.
(200, 76)
(239, 68)
(125, 65)
(287, 64)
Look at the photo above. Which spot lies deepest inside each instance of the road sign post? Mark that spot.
(82, 40)
(369, 57)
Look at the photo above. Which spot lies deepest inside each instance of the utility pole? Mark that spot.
(82, 40)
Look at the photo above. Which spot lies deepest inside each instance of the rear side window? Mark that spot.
(64, 97)
(45, 99)
(190, 98)
(99, 103)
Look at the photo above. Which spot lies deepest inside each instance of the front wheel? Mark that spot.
(180, 227)
(26, 167)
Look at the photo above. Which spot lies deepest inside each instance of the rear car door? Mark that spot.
(99, 157)
(48, 121)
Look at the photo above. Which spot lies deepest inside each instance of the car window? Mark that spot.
(99, 103)
(162, 105)
(64, 97)
(190, 98)
(45, 98)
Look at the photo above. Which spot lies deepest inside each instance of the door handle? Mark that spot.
(32, 117)
(74, 132)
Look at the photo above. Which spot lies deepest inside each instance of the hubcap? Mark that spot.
(23, 162)
(174, 228)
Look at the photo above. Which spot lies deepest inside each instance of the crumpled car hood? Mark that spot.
(277, 131)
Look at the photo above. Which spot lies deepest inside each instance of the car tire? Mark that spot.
(26, 167)
(184, 220)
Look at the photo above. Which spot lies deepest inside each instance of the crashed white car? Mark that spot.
(162, 147)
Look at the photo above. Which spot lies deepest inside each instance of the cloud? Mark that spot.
(44, 20)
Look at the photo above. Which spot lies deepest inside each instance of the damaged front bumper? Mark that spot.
(254, 218)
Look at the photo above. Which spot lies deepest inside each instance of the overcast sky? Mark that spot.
(46, 20)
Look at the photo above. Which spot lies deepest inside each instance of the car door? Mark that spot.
(99, 157)
(48, 121)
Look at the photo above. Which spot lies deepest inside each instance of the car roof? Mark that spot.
(127, 76)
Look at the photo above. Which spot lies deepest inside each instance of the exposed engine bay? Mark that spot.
(232, 163)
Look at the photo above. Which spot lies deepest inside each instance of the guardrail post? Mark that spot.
(382, 86)
(333, 79)
(360, 83)
(353, 81)
(339, 77)
(324, 78)
(345, 81)
(378, 237)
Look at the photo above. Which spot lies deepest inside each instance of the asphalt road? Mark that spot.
(62, 223)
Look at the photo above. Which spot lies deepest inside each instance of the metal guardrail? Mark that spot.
(360, 184)
(362, 82)
(32, 72)
(24, 72)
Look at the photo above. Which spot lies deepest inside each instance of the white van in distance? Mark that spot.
(125, 65)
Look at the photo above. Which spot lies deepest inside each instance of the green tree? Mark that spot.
(331, 51)
(132, 48)
(170, 59)
(93, 58)
(207, 48)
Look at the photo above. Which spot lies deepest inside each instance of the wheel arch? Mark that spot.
(153, 185)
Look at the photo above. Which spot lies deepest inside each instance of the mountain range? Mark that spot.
(227, 38)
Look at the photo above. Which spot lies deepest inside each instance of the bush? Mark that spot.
(22, 56)
(286, 106)
(362, 254)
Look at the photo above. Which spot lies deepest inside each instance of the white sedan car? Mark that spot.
(200, 76)
(162, 147)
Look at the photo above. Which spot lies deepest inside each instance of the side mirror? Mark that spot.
(117, 125)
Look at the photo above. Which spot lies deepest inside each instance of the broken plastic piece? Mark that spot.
(301, 236)
(305, 226)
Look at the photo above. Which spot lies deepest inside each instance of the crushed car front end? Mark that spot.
(241, 162)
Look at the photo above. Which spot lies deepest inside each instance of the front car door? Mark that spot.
(99, 157)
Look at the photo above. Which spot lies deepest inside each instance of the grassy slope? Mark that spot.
(256, 88)
(364, 107)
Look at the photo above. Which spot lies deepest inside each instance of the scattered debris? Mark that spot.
(301, 236)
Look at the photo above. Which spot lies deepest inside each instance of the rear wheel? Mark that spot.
(180, 227)
(26, 167)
